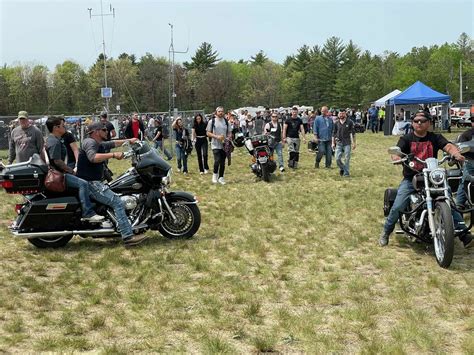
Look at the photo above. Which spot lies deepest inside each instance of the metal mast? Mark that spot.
(102, 15)
(171, 89)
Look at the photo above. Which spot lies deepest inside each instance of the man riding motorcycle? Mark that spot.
(90, 167)
(422, 144)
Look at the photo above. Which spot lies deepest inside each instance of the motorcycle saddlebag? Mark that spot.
(388, 200)
(24, 178)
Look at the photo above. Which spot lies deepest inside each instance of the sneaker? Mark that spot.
(214, 178)
(94, 219)
(201, 173)
(169, 158)
(134, 240)
(341, 172)
(282, 169)
(383, 241)
(179, 170)
(206, 171)
(221, 181)
(346, 175)
(467, 240)
(185, 173)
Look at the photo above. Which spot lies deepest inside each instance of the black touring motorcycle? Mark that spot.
(428, 217)
(48, 219)
(259, 147)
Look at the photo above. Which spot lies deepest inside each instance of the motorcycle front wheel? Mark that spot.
(188, 220)
(444, 234)
(53, 242)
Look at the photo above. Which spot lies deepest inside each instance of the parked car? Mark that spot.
(461, 110)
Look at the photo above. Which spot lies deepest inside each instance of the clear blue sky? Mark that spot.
(49, 32)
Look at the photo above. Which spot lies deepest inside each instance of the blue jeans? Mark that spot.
(324, 149)
(103, 194)
(374, 125)
(346, 149)
(159, 145)
(278, 148)
(181, 158)
(83, 187)
(405, 189)
(468, 169)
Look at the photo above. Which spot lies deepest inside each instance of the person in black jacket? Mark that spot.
(135, 128)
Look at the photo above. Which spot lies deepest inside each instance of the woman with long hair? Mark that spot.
(201, 142)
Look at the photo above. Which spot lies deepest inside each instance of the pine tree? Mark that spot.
(258, 59)
(204, 59)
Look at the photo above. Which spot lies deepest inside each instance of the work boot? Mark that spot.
(383, 241)
(134, 240)
(467, 240)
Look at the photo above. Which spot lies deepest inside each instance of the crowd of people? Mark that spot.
(333, 132)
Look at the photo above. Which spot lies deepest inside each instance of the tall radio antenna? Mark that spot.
(106, 92)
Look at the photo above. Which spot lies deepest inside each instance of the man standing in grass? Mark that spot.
(423, 144)
(25, 140)
(292, 129)
(218, 129)
(342, 140)
(323, 127)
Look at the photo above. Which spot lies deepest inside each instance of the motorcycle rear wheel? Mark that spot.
(444, 234)
(53, 242)
(265, 173)
(187, 224)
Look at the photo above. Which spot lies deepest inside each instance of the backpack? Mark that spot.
(187, 143)
(213, 124)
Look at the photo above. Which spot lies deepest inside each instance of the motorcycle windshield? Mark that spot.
(151, 158)
(431, 163)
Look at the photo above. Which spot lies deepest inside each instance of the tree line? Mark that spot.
(337, 74)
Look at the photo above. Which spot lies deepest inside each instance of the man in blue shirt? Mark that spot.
(323, 127)
(374, 118)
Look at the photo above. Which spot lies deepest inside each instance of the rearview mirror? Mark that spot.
(395, 151)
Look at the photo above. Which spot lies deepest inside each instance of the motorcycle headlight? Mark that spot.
(167, 179)
(437, 176)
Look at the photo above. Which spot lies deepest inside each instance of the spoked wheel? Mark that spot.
(52, 242)
(444, 234)
(188, 221)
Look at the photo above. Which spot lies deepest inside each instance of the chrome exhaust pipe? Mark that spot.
(29, 235)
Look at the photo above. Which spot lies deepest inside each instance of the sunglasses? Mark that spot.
(274, 116)
(420, 121)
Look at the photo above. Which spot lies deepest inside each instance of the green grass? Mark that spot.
(290, 266)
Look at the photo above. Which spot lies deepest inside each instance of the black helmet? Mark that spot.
(239, 139)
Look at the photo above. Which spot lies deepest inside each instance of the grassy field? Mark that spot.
(292, 266)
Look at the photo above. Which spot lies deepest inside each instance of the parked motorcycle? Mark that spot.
(48, 219)
(428, 217)
(258, 147)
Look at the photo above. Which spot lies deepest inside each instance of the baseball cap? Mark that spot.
(22, 114)
(424, 114)
(103, 114)
(94, 127)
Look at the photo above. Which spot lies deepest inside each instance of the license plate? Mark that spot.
(262, 160)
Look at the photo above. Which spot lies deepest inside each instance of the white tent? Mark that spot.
(381, 102)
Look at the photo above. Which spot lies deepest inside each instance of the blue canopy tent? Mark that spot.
(418, 93)
(73, 119)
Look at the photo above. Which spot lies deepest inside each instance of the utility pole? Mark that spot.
(460, 81)
(106, 92)
(171, 88)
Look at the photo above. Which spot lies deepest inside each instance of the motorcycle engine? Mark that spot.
(129, 202)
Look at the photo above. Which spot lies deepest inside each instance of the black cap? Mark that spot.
(103, 114)
(95, 127)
